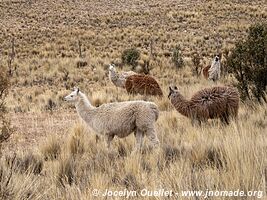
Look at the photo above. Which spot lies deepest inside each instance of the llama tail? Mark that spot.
(155, 109)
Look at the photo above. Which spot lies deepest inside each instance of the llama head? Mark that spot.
(173, 92)
(111, 67)
(73, 96)
(217, 58)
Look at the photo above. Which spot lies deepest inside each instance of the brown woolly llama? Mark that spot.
(142, 84)
(216, 102)
(205, 72)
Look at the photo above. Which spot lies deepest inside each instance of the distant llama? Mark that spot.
(118, 79)
(209, 103)
(143, 84)
(215, 69)
(118, 119)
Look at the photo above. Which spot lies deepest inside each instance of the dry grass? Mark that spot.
(210, 157)
(53, 156)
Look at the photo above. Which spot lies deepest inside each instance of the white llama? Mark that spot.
(118, 79)
(118, 119)
(215, 69)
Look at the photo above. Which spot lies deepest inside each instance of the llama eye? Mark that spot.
(71, 95)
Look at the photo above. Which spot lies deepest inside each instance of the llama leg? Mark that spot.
(195, 122)
(151, 134)
(225, 119)
(109, 138)
(235, 118)
(96, 138)
(117, 93)
(139, 140)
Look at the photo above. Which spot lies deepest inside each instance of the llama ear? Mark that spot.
(78, 90)
(170, 88)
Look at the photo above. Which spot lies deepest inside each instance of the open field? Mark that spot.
(52, 155)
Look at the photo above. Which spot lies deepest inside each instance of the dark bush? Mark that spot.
(29, 163)
(5, 130)
(248, 63)
(4, 84)
(51, 105)
(130, 56)
(81, 63)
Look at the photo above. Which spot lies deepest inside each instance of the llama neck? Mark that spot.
(113, 75)
(182, 105)
(84, 107)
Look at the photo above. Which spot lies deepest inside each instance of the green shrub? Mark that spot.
(248, 63)
(177, 57)
(130, 56)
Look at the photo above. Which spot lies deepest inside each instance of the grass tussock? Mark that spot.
(76, 143)
(65, 171)
(19, 175)
(51, 148)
